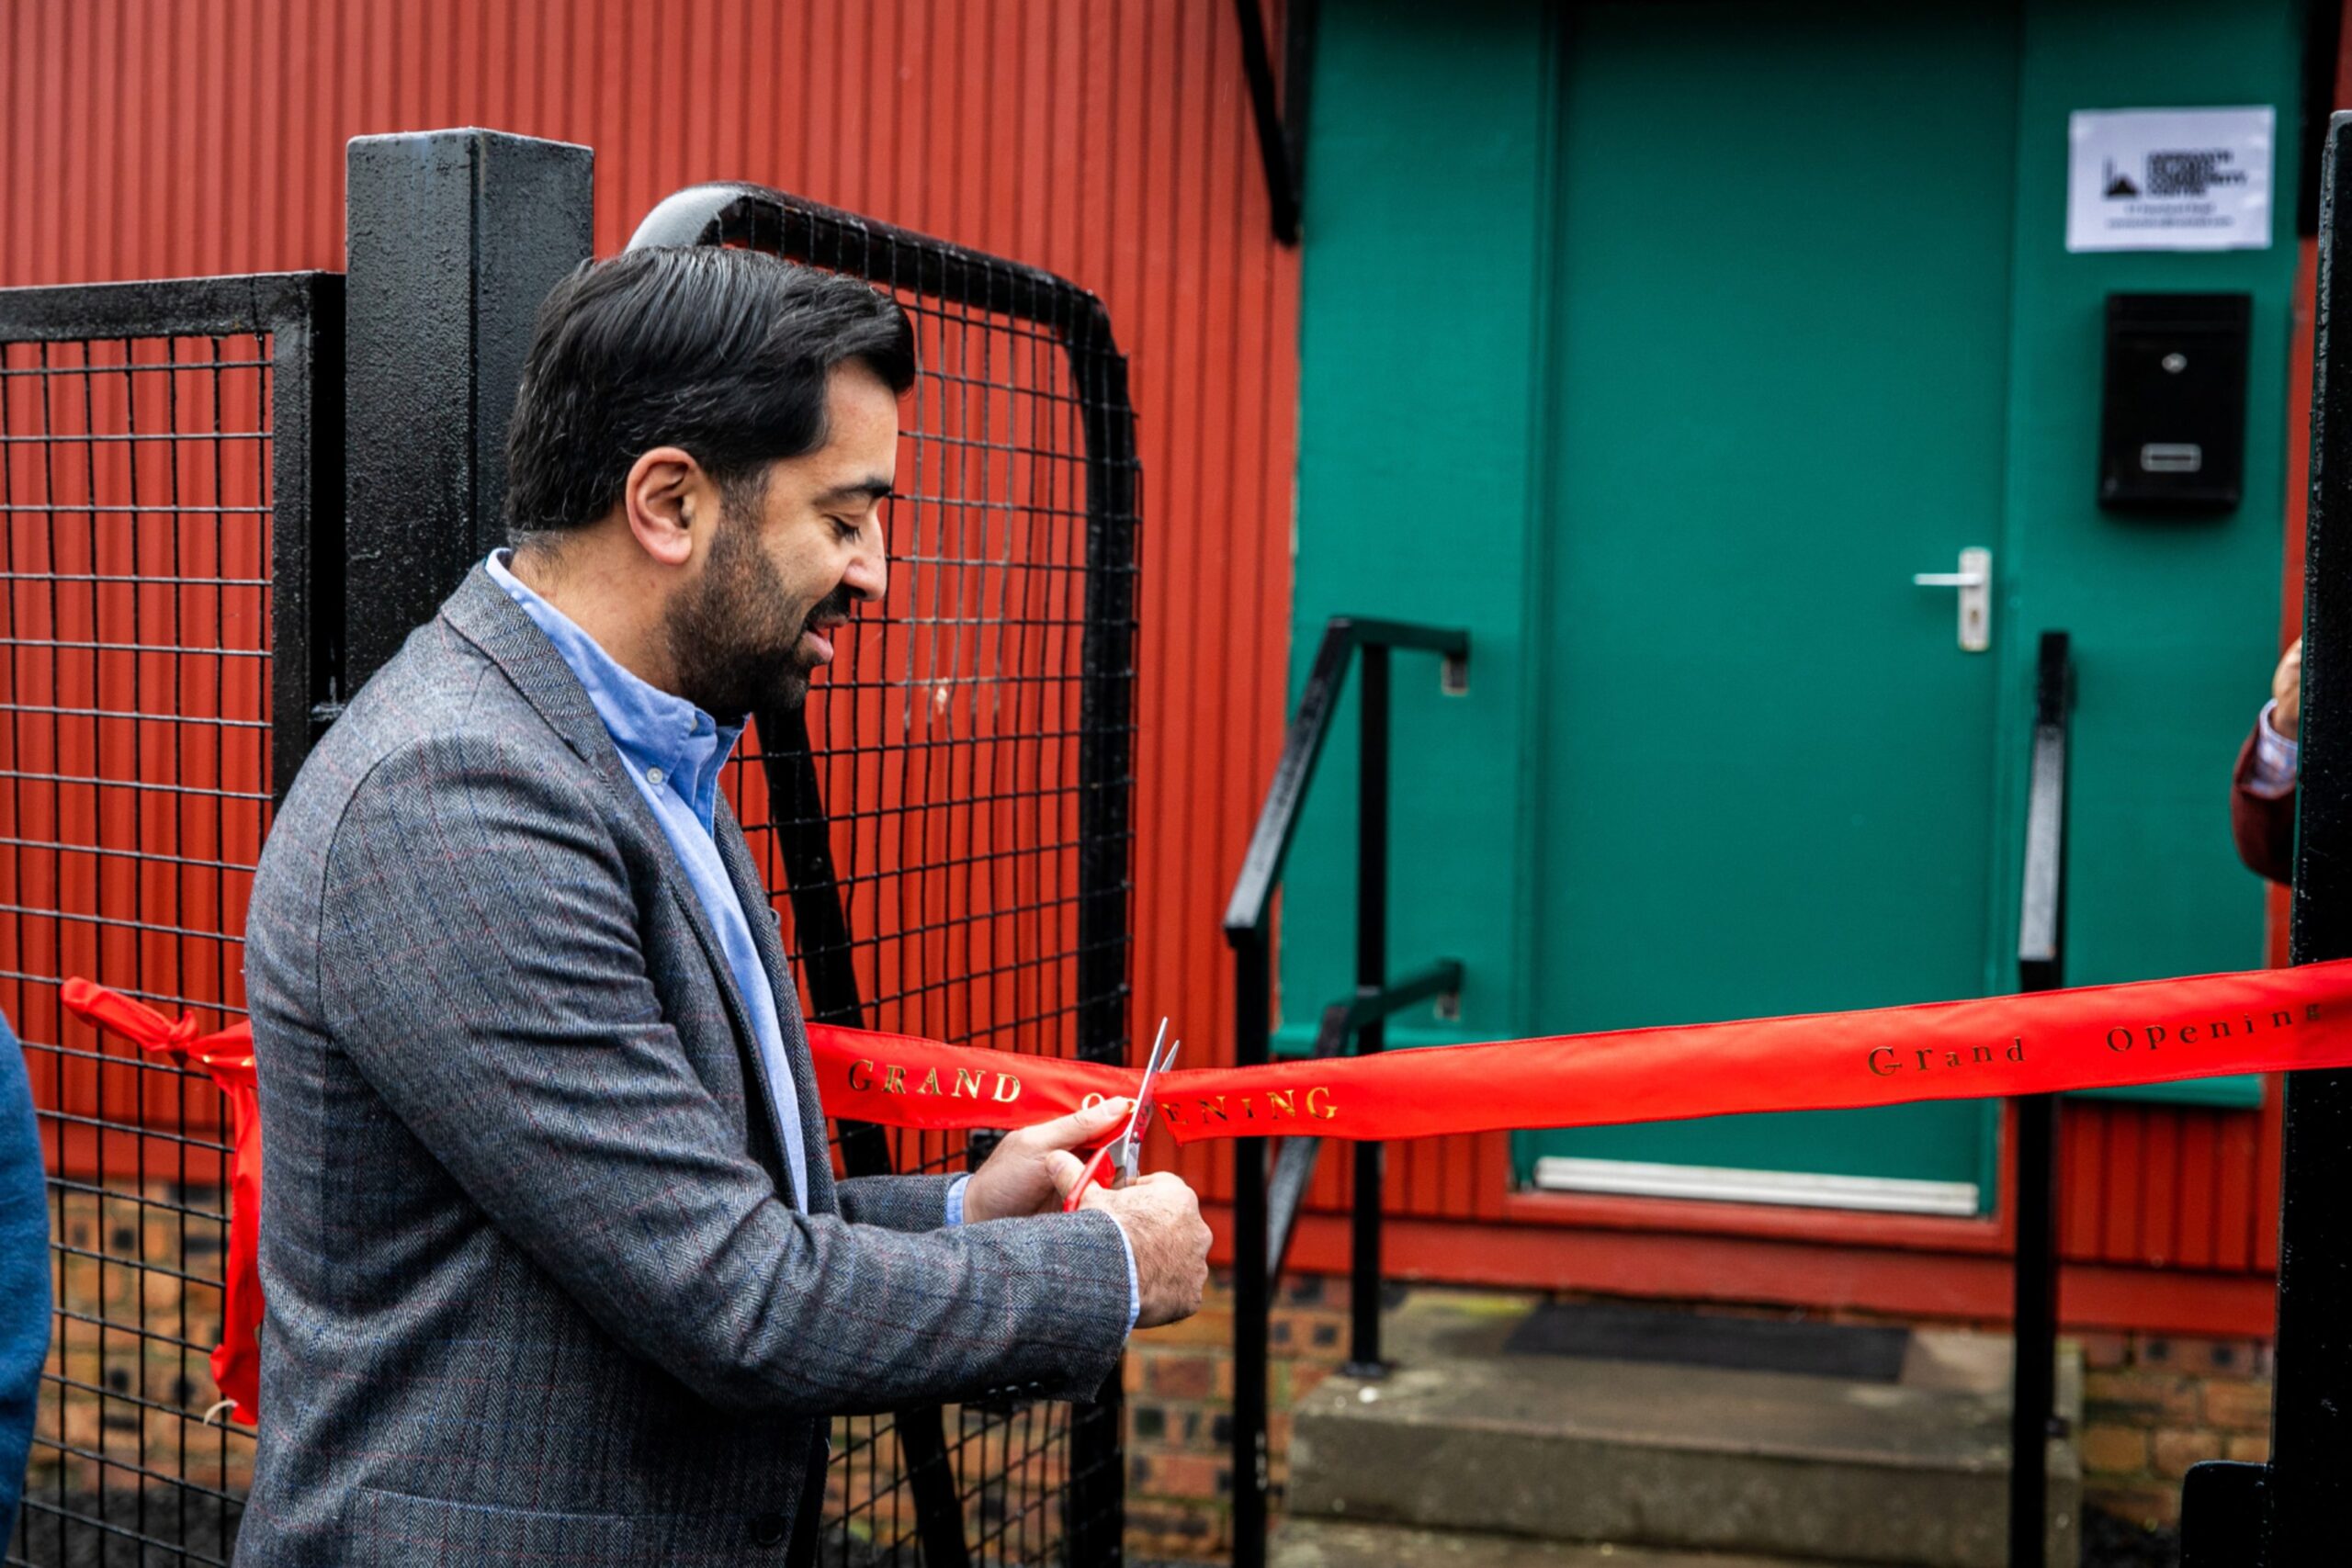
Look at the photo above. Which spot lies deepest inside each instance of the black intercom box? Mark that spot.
(2172, 415)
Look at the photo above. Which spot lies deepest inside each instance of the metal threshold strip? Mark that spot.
(1643, 1179)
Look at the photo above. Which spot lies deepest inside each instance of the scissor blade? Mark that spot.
(1129, 1143)
(1139, 1121)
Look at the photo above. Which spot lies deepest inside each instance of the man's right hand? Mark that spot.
(2286, 691)
(1170, 1241)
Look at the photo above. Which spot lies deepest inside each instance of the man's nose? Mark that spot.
(868, 576)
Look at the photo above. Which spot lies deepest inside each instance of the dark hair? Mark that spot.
(725, 352)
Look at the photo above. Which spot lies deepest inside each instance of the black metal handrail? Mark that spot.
(1260, 1236)
(2041, 966)
(1295, 1166)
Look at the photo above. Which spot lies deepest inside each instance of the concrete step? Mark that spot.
(1463, 1437)
(1322, 1543)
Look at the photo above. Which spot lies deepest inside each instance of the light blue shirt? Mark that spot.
(674, 752)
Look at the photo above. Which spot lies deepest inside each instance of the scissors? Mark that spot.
(1126, 1150)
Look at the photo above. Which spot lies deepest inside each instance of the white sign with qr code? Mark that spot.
(2169, 179)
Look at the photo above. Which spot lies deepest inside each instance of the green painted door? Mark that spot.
(1779, 392)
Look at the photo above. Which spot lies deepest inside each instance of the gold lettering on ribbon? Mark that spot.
(967, 1083)
(1007, 1088)
(1324, 1111)
(930, 1082)
(855, 1086)
(1887, 1061)
(894, 1080)
(1281, 1102)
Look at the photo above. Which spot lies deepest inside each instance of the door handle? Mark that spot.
(1974, 580)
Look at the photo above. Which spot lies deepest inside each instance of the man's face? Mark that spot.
(783, 575)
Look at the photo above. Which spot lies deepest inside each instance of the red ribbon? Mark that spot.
(2094, 1037)
(227, 1058)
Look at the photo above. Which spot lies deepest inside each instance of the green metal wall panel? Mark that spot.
(1426, 492)
(2174, 623)
(1417, 474)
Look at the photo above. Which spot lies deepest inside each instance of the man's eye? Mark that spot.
(848, 531)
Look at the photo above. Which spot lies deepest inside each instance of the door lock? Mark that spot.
(1974, 580)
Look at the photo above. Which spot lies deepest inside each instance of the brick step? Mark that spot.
(1464, 1436)
(1324, 1543)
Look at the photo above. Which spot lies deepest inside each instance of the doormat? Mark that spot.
(1601, 1332)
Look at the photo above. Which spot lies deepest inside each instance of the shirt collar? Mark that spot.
(665, 739)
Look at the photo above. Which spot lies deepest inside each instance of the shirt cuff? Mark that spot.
(2277, 759)
(1135, 1286)
(955, 1198)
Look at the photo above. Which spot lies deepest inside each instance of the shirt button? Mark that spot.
(653, 775)
(767, 1530)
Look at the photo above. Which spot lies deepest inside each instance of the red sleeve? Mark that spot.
(2264, 828)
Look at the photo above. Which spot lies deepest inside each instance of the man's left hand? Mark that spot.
(1015, 1181)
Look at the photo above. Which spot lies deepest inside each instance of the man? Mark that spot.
(2262, 786)
(556, 1263)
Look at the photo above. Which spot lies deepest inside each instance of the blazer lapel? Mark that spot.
(753, 895)
(481, 612)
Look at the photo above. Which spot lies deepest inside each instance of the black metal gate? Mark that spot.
(158, 491)
(186, 603)
(970, 881)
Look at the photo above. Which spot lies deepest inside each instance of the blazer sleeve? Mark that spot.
(895, 1202)
(481, 962)
(2263, 827)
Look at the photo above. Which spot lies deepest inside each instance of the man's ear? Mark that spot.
(669, 502)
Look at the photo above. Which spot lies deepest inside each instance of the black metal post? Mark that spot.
(1371, 978)
(453, 240)
(306, 528)
(2309, 1490)
(2290, 1511)
(1252, 1004)
(2034, 1385)
(2042, 959)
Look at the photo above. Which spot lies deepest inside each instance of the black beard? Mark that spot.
(733, 641)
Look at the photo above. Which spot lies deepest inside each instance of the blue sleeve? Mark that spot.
(23, 1273)
(1135, 1286)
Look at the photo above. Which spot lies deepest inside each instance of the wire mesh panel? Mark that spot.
(155, 677)
(947, 815)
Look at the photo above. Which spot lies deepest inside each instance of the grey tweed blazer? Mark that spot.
(538, 1291)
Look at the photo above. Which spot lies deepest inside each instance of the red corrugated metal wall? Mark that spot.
(1110, 143)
